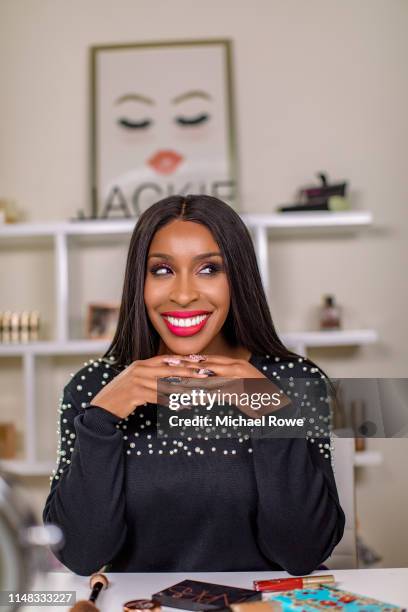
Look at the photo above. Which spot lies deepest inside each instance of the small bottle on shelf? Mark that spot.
(358, 416)
(330, 314)
(6, 327)
(15, 327)
(25, 327)
(34, 326)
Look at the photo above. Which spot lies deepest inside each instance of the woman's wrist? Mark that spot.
(100, 419)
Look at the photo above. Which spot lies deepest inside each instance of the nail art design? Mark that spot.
(205, 371)
(172, 379)
(197, 357)
(174, 361)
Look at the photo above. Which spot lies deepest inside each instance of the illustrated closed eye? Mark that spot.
(134, 125)
(195, 120)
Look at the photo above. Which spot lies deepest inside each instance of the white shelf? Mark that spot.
(27, 468)
(367, 458)
(310, 220)
(70, 347)
(306, 339)
(341, 337)
(44, 468)
(313, 219)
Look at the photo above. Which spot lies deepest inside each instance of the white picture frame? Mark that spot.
(162, 124)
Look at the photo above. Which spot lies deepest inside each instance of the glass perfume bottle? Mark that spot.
(358, 417)
(330, 317)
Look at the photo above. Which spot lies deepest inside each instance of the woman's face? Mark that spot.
(186, 289)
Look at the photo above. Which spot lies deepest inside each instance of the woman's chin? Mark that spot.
(186, 348)
(185, 345)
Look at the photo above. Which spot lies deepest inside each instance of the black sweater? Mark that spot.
(140, 503)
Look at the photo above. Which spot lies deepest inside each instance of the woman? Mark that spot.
(192, 306)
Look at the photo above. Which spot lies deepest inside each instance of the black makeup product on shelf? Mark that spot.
(320, 197)
(322, 193)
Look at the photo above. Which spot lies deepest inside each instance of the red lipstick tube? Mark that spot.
(298, 582)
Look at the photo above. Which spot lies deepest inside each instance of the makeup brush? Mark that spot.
(97, 582)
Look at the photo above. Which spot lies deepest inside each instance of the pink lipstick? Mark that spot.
(185, 322)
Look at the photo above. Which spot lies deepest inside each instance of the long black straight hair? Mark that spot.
(249, 322)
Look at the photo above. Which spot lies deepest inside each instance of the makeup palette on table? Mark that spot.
(196, 595)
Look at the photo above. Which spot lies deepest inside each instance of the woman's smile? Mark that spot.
(187, 322)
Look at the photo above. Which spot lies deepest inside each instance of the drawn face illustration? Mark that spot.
(163, 121)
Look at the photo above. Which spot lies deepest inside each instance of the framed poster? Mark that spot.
(162, 124)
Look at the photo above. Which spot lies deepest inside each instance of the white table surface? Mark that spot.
(389, 585)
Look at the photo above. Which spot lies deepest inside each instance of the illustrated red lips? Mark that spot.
(185, 322)
(165, 162)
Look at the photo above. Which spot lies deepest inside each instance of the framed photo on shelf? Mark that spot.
(102, 320)
(162, 124)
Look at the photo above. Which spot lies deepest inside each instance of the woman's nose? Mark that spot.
(183, 290)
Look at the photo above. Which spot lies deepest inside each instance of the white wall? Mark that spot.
(319, 85)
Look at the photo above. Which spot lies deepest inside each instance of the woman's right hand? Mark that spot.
(137, 384)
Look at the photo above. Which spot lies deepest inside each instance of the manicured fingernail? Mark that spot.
(172, 361)
(197, 357)
(172, 379)
(205, 371)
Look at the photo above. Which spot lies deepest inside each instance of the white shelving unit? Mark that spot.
(300, 341)
(260, 226)
(61, 233)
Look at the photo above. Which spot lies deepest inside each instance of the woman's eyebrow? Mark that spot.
(195, 258)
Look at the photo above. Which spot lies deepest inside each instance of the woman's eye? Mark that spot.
(163, 270)
(134, 125)
(160, 270)
(197, 120)
(210, 269)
